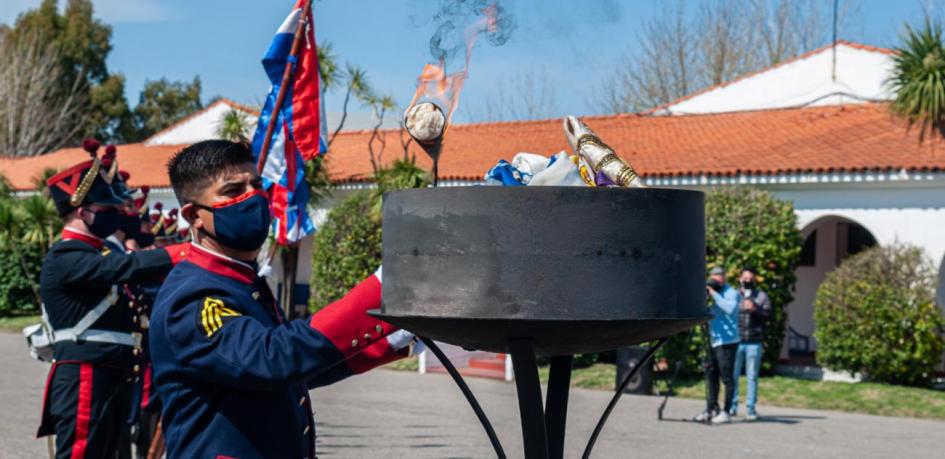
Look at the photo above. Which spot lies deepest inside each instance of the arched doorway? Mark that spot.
(827, 242)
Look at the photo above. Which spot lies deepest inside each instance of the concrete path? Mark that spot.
(406, 415)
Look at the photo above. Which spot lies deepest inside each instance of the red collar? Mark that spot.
(74, 234)
(221, 264)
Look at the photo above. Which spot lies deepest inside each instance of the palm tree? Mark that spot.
(358, 86)
(328, 67)
(918, 79)
(233, 126)
(379, 107)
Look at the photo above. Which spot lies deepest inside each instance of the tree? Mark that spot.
(27, 227)
(379, 107)
(876, 314)
(234, 126)
(918, 79)
(358, 86)
(163, 102)
(527, 95)
(83, 44)
(37, 114)
(682, 52)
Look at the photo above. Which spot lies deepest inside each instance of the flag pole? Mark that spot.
(284, 85)
(291, 255)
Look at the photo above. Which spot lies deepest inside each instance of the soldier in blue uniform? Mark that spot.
(232, 373)
(88, 388)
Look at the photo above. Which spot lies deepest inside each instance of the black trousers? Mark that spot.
(86, 407)
(720, 363)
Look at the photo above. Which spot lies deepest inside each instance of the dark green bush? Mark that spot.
(27, 227)
(347, 247)
(747, 227)
(876, 314)
(16, 294)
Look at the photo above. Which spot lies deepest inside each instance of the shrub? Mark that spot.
(16, 293)
(747, 227)
(27, 227)
(876, 314)
(348, 245)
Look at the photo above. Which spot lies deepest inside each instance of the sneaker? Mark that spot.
(703, 416)
(722, 418)
(752, 416)
(733, 412)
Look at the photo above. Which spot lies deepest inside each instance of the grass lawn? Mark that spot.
(16, 324)
(867, 398)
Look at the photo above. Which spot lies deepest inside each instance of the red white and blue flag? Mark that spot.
(298, 134)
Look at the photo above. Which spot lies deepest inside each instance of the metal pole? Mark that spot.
(613, 401)
(556, 404)
(534, 435)
(284, 85)
(481, 415)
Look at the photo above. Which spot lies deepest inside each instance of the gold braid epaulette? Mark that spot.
(86, 184)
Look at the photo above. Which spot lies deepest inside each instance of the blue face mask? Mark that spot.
(105, 222)
(242, 223)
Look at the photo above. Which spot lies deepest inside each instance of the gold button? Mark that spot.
(301, 401)
(354, 343)
(255, 295)
(379, 328)
(137, 368)
(307, 428)
(367, 336)
(136, 351)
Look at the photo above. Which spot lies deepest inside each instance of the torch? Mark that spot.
(426, 123)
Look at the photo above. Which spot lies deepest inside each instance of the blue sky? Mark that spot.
(574, 42)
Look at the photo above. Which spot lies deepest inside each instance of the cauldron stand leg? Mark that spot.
(528, 387)
(556, 404)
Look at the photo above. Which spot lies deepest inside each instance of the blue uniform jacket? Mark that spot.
(234, 375)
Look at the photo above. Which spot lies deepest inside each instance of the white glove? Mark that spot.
(401, 339)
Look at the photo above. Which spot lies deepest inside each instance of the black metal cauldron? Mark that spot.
(543, 270)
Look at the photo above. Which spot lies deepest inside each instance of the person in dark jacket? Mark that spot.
(88, 390)
(753, 314)
(232, 373)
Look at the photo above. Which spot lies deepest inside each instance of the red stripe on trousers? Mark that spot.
(146, 387)
(83, 411)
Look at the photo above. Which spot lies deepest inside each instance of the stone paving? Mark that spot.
(407, 415)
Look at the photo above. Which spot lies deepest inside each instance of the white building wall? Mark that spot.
(860, 76)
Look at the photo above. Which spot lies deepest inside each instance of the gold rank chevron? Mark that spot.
(212, 314)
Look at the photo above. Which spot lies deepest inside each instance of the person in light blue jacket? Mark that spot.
(724, 338)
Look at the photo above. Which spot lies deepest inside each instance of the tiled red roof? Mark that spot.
(816, 139)
(849, 138)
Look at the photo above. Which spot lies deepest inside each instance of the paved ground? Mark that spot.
(394, 414)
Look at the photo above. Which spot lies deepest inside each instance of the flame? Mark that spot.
(435, 85)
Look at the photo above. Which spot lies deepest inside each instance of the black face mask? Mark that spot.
(104, 223)
(144, 239)
(714, 285)
(130, 225)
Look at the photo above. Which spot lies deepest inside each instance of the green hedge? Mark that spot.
(16, 295)
(876, 314)
(747, 227)
(348, 245)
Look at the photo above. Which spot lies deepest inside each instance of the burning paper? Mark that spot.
(425, 122)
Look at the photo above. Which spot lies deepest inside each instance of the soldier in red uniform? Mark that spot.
(89, 385)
